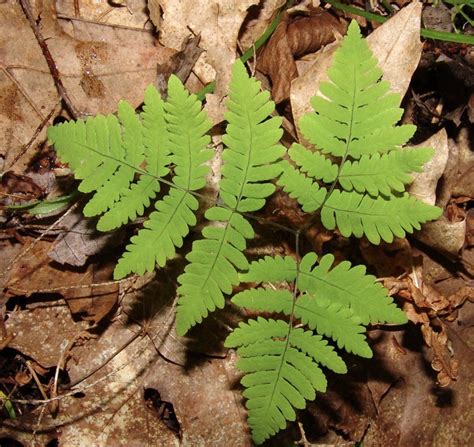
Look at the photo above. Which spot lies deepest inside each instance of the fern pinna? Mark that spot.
(249, 165)
(106, 156)
(354, 174)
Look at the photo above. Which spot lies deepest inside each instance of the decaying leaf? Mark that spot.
(98, 65)
(257, 21)
(411, 411)
(40, 330)
(425, 183)
(27, 92)
(293, 38)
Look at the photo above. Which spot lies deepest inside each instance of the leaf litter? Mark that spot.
(129, 380)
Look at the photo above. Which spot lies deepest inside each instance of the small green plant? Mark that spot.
(354, 178)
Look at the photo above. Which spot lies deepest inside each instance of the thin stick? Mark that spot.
(25, 4)
(35, 377)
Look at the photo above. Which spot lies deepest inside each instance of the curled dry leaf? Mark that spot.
(396, 44)
(293, 38)
(425, 183)
(443, 234)
(424, 305)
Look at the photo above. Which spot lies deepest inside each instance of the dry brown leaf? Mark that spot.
(218, 22)
(130, 13)
(411, 411)
(293, 38)
(41, 329)
(35, 272)
(27, 92)
(98, 64)
(425, 183)
(397, 46)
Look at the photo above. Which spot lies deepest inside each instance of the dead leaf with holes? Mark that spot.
(396, 44)
(218, 23)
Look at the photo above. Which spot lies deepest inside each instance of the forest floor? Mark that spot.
(85, 360)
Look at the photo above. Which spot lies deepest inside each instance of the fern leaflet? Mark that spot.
(354, 124)
(106, 153)
(335, 302)
(250, 163)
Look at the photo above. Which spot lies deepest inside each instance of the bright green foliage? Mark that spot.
(106, 152)
(354, 124)
(186, 131)
(250, 163)
(355, 177)
(333, 301)
(281, 372)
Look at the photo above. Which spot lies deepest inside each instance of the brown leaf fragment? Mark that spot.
(217, 22)
(41, 330)
(35, 272)
(79, 241)
(258, 18)
(411, 411)
(293, 38)
(20, 186)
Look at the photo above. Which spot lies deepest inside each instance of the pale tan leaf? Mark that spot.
(218, 23)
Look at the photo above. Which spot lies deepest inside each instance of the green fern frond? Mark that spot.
(301, 188)
(378, 219)
(333, 320)
(349, 286)
(271, 269)
(106, 153)
(186, 131)
(136, 198)
(249, 164)
(281, 373)
(382, 174)
(354, 124)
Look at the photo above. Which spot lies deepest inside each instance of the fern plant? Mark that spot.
(353, 177)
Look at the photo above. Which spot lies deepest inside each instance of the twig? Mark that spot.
(25, 4)
(54, 392)
(35, 377)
